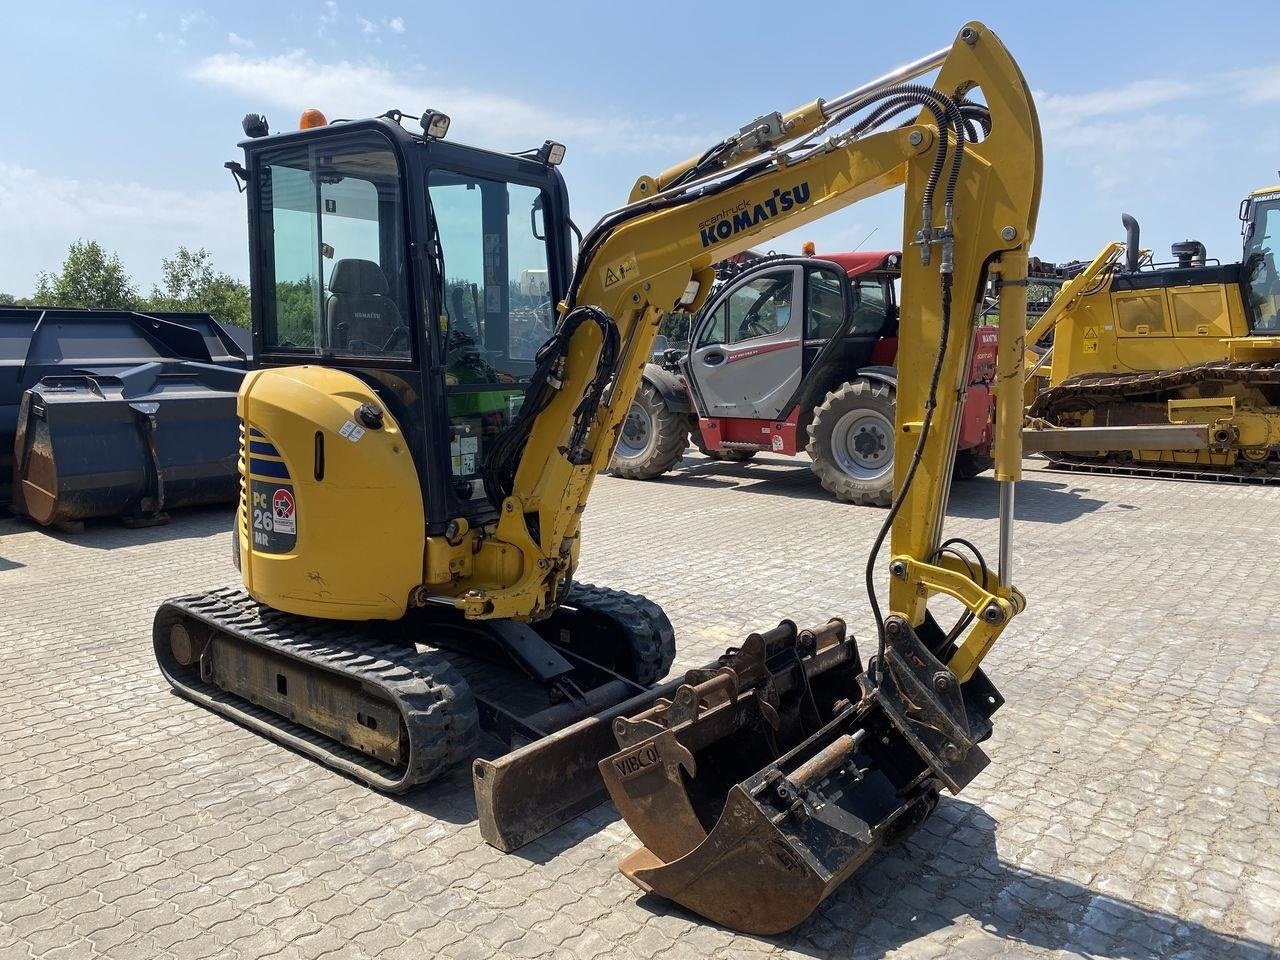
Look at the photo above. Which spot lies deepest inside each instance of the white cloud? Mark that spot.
(173, 38)
(236, 40)
(143, 223)
(346, 89)
(367, 27)
(1058, 109)
(396, 24)
(189, 20)
(330, 12)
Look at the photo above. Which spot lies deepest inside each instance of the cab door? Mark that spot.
(748, 347)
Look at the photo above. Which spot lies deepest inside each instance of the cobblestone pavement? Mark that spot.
(1132, 808)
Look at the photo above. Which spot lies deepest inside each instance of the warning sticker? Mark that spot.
(619, 271)
(283, 515)
(1091, 346)
(1091, 333)
(351, 432)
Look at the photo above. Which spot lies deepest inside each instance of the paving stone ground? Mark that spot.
(1132, 808)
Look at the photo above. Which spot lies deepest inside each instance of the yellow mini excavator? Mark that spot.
(423, 428)
(1176, 366)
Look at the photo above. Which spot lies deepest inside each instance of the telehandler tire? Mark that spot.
(970, 464)
(653, 439)
(851, 442)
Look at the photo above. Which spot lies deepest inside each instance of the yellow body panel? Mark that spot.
(359, 529)
(1127, 331)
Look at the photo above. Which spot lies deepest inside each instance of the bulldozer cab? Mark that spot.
(1260, 216)
(406, 260)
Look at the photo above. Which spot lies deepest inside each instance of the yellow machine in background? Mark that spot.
(423, 436)
(1142, 349)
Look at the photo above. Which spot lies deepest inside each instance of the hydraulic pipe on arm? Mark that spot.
(656, 255)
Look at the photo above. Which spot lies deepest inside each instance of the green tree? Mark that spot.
(191, 283)
(89, 277)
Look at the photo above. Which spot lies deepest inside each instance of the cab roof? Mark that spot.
(856, 264)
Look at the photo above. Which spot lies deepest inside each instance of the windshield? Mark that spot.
(333, 251)
(497, 308)
(1262, 285)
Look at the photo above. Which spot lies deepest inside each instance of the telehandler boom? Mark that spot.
(414, 479)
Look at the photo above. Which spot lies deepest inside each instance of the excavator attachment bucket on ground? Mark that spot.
(850, 767)
(777, 688)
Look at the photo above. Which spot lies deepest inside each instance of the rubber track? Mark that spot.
(435, 703)
(1103, 389)
(650, 636)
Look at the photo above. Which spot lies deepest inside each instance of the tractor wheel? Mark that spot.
(727, 456)
(851, 442)
(652, 439)
(970, 464)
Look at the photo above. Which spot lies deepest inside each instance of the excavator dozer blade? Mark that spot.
(758, 853)
(525, 793)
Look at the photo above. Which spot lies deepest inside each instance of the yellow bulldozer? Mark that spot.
(1182, 358)
(422, 431)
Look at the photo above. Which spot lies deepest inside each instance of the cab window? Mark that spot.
(333, 250)
(758, 308)
(870, 307)
(496, 309)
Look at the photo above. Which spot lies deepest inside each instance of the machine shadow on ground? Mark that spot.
(1039, 500)
(950, 869)
(109, 533)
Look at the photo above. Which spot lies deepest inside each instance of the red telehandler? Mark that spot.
(790, 354)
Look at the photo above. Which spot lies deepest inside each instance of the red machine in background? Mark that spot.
(796, 354)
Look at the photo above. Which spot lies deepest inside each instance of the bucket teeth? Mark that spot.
(758, 788)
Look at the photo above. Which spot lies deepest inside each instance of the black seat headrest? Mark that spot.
(358, 278)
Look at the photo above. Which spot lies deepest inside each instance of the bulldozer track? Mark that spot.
(435, 704)
(1102, 389)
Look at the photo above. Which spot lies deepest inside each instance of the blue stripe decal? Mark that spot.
(264, 448)
(268, 468)
(254, 432)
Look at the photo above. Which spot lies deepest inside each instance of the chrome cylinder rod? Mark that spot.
(908, 71)
(1006, 531)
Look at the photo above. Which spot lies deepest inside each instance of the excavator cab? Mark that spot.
(397, 256)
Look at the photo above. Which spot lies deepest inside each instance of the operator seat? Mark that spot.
(359, 308)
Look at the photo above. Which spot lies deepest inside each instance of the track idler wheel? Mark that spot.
(759, 850)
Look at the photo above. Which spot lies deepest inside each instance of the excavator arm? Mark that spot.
(971, 195)
(854, 755)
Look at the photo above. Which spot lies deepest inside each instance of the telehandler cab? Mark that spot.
(414, 480)
(796, 354)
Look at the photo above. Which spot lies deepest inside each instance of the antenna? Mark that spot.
(865, 239)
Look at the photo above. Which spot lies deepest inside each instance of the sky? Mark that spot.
(115, 119)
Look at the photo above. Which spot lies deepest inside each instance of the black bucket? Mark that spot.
(113, 413)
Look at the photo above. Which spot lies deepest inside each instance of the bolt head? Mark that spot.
(1008, 233)
(941, 680)
(915, 138)
(969, 35)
